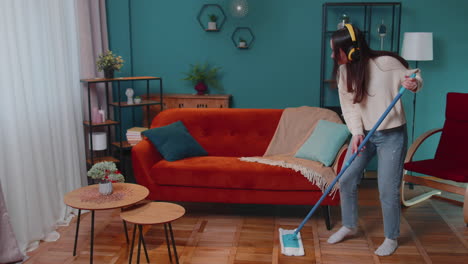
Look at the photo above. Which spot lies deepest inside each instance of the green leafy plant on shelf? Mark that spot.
(213, 17)
(109, 62)
(242, 43)
(202, 76)
(137, 99)
(106, 171)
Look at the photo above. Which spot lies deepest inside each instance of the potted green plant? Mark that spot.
(242, 43)
(137, 99)
(202, 76)
(109, 62)
(105, 173)
(212, 22)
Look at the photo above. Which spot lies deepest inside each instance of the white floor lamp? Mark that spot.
(417, 46)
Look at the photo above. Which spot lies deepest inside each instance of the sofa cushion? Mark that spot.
(453, 144)
(324, 143)
(444, 169)
(174, 142)
(228, 172)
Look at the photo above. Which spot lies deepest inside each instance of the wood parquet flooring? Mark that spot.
(431, 232)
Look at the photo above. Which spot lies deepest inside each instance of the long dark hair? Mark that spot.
(356, 71)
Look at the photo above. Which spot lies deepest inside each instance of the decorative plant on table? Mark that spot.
(212, 23)
(109, 62)
(202, 76)
(106, 173)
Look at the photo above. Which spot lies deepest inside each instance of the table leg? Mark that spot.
(173, 243)
(133, 244)
(126, 232)
(144, 246)
(125, 228)
(92, 238)
(168, 244)
(139, 244)
(76, 232)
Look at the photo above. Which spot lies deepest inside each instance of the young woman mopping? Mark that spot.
(367, 81)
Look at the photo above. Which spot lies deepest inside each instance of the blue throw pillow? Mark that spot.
(324, 143)
(174, 142)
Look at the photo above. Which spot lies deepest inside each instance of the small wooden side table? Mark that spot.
(153, 213)
(89, 198)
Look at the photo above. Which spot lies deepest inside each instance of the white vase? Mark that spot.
(341, 25)
(212, 25)
(137, 100)
(105, 188)
(99, 141)
(242, 44)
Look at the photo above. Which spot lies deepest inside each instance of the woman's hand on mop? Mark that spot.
(357, 140)
(410, 84)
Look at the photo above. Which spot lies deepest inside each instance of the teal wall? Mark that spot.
(283, 67)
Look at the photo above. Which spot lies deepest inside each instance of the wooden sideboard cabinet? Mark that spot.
(187, 101)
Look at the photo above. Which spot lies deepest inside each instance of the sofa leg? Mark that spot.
(326, 215)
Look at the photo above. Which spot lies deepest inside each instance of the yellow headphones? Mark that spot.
(353, 53)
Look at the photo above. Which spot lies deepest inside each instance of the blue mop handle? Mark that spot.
(348, 162)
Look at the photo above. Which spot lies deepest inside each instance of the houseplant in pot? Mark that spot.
(242, 43)
(203, 76)
(109, 62)
(212, 22)
(105, 173)
(137, 99)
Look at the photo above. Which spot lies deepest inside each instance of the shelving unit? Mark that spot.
(237, 32)
(367, 16)
(115, 140)
(106, 123)
(122, 144)
(219, 12)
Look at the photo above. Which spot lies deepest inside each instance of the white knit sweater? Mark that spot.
(385, 77)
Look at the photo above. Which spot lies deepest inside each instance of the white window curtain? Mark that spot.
(41, 130)
(92, 26)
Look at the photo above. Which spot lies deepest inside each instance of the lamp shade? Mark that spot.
(417, 46)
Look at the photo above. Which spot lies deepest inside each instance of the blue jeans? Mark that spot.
(390, 146)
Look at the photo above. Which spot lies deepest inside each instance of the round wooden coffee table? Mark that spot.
(89, 198)
(153, 213)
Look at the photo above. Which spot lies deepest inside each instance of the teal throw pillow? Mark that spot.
(174, 142)
(324, 142)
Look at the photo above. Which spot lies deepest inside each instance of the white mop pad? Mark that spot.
(291, 246)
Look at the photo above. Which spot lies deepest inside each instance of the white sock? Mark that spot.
(387, 248)
(341, 234)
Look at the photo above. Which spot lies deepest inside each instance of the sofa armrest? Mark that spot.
(340, 158)
(144, 156)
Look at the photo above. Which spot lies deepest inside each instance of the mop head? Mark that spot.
(291, 245)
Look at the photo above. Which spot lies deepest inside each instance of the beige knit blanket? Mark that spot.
(294, 128)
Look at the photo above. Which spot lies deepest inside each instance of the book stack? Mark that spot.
(134, 135)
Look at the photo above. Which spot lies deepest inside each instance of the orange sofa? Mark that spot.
(220, 177)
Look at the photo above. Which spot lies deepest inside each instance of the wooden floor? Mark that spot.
(431, 232)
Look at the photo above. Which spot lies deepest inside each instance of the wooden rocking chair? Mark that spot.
(451, 158)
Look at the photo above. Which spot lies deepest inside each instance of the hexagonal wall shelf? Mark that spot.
(240, 39)
(212, 26)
